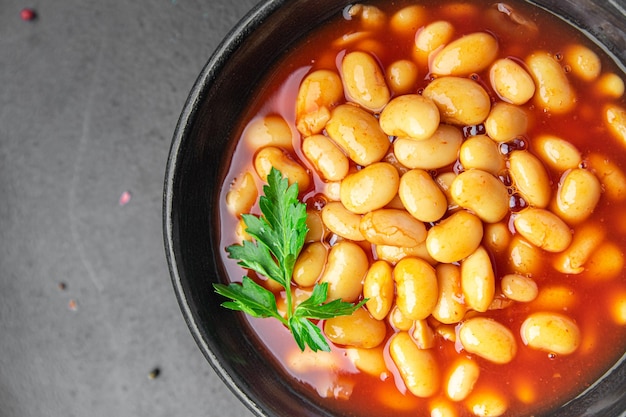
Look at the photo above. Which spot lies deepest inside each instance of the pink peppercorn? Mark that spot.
(125, 198)
(28, 14)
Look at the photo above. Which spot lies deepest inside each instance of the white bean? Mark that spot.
(466, 55)
(392, 227)
(423, 335)
(310, 264)
(317, 230)
(421, 196)
(488, 339)
(462, 377)
(587, 238)
(446, 244)
(242, 194)
(606, 262)
(408, 19)
(364, 81)
(551, 332)
(319, 92)
(398, 320)
(272, 156)
(610, 175)
(482, 193)
(543, 229)
(556, 152)
(416, 288)
(370, 361)
(480, 152)
(379, 288)
(450, 308)
(478, 280)
(345, 270)
(530, 177)
(402, 76)
(554, 92)
(358, 133)
(618, 308)
(497, 236)
(447, 332)
(506, 121)
(410, 116)
(583, 62)
(442, 407)
(342, 221)
(240, 231)
(358, 329)
(418, 367)
(615, 117)
(394, 254)
(329, 161)
(431, 37)
(519, 287)
(524, 257)
(332, 190)
(445, 180)
(372, 18)
(461, 101)
(487, 403)
(438, 151)
(270, 130)
(610, 85)
(371, 188)
(511, 81)
(577, 196)
(555, 297)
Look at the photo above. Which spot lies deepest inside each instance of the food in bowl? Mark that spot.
(462, 165)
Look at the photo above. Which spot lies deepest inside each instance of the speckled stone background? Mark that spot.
(90, 93)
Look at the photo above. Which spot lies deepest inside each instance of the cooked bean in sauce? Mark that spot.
(464, 168)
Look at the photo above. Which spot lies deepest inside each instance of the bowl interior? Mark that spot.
(199, 159)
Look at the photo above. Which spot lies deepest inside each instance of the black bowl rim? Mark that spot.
(231, 42)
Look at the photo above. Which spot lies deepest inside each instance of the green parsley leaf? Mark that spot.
(279, 235)
(314, 308)
(256, 257)
(250, 298)
(307, 333)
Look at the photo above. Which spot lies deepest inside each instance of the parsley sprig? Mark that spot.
(279, 235)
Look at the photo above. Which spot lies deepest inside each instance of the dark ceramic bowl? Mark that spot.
(197, 166)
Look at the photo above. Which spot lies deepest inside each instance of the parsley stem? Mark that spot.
(288, 298)
(289, 302)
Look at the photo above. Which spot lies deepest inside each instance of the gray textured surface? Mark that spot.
(90, 93)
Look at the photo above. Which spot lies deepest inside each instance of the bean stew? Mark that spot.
(464, 169)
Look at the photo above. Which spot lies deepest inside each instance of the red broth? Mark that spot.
(535, 380)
